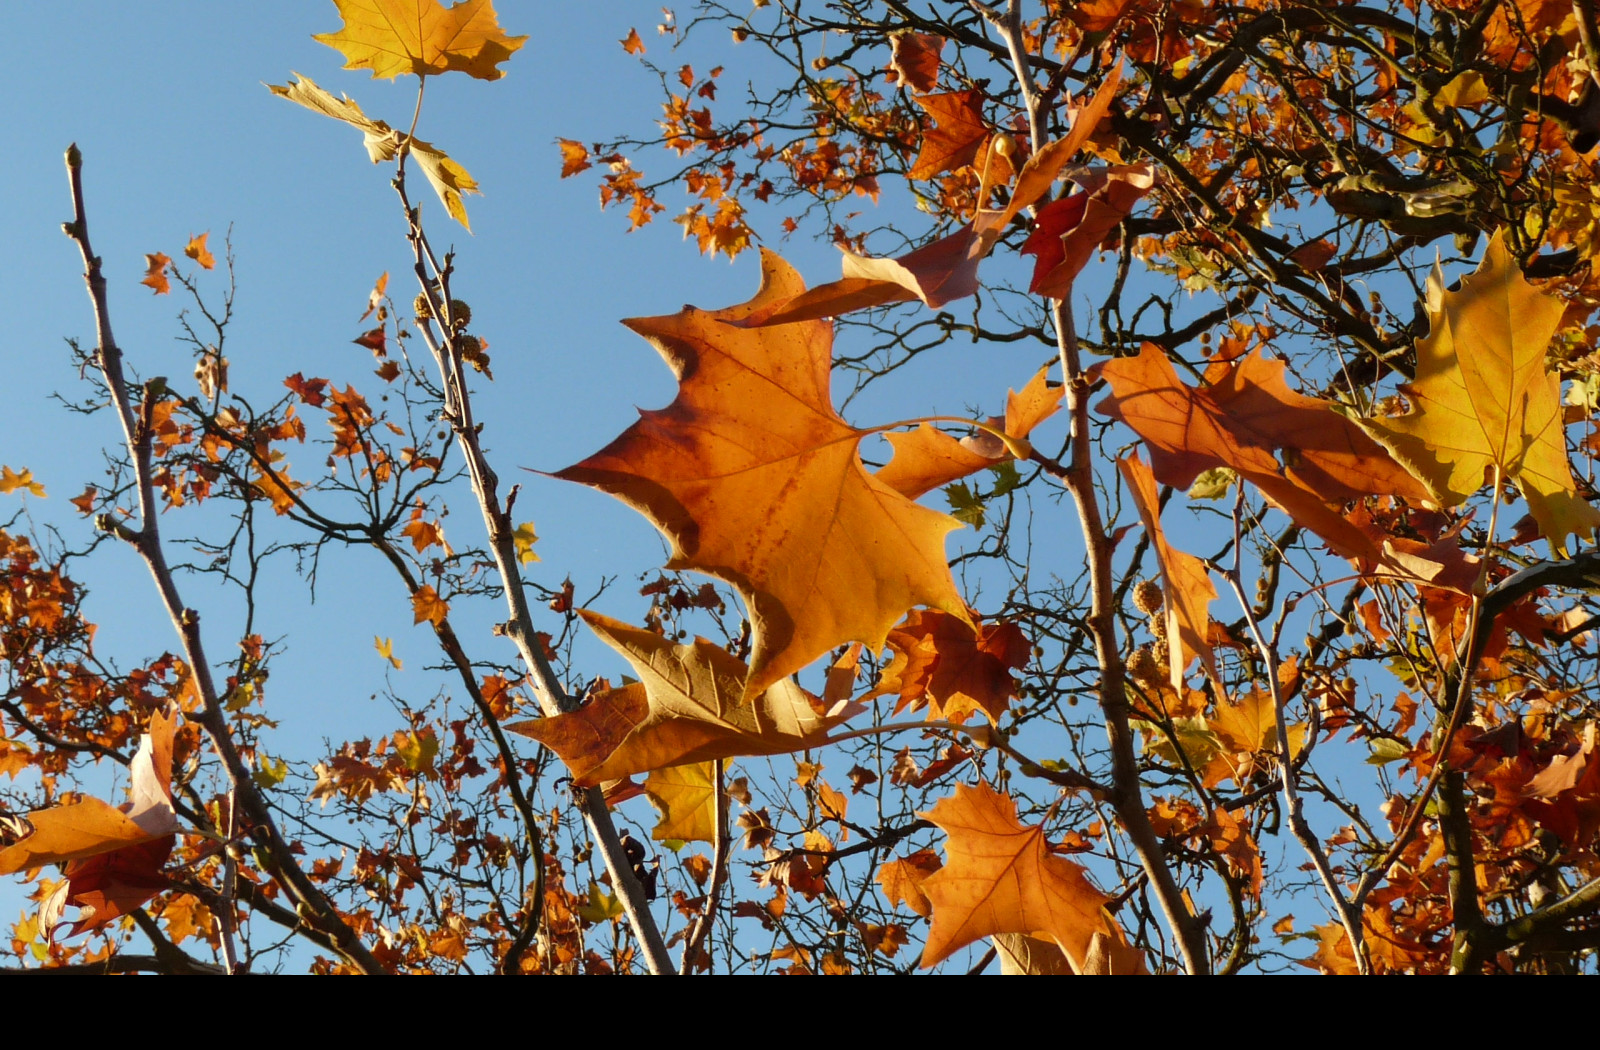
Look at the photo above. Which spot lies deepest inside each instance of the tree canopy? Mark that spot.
(1246, 621)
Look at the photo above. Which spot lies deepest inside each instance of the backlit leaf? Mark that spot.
(1185, 583)
(757, 480)
(448, 179)
(688, 706)
(1242, 416)
(1001, 877)
(11, 481)
(420, 37)
(155, 273)
(196, 249)
(1483, 399)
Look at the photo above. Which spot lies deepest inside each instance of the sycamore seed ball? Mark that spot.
(1147, 597)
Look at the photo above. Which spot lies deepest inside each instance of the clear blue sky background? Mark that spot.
(180, 136)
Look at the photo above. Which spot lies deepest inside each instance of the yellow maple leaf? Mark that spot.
(448, 179)
(1483, 399)
(11, 481)
(398, 37)
(385, 647)
(686, 795)
(525, 538)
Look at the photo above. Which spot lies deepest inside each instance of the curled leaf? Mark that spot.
(448, 179)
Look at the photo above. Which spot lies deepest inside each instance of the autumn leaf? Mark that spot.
(1484, 400)
(959, 129)
(1022, 956)
(1069, 231)
(914, 60)
(1097, 16)
(757, 480)
(686, 795)
(427, 605)
(946, 269)
(1186, 585)
(11, 481)
(112, 855)
(1001, 877)
(941, 662)
(375, 297)
(196, 249)
(903, 880)
(631, 43)
(927, 458)
(1248, 734)
(421, 37)
(155, 273)
(524, 539)
(385, 647)
(1243, 416)
(448, 179)
(574, 158)
(689, 705)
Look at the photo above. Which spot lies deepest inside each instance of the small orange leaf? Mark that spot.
(196, 249)
(914, 60)
(155, 274)
(427, 605)
(632, 44)
(941, 662)
(574, 158)
(927, 458)
(375, 297)
(902, 880)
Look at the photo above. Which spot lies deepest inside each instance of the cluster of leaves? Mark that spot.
(1287, 165)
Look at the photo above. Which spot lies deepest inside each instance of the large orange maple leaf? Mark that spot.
(757, 480)
(1001, 877)
(398, 37)
(1484, 399)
